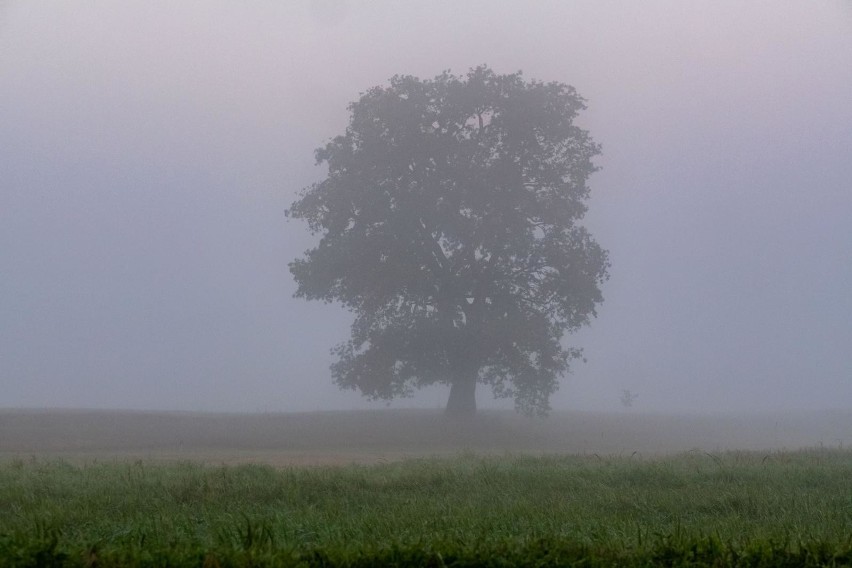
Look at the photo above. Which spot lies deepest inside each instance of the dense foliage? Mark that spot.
(449, 225)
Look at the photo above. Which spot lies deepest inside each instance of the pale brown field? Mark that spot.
(375, 436)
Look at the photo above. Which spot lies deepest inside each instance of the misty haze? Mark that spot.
(149, 152)
(423, 283)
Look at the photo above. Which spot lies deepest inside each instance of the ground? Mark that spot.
(321, 438)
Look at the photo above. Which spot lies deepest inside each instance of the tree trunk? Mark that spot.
(462, 401)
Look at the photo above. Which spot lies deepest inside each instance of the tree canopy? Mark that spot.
(448, 225)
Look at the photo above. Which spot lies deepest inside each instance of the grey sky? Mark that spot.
(149, 149)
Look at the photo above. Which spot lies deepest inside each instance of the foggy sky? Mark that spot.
(148, 151)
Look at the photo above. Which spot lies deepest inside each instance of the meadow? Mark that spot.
(464, 508)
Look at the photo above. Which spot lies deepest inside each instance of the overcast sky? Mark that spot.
(148, 151)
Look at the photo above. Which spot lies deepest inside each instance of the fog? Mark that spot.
(148, 151)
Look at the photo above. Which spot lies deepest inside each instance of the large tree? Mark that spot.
(449, 227)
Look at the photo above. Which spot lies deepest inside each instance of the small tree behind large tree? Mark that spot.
(449, 227)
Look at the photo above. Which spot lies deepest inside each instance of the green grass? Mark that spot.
(691, 509)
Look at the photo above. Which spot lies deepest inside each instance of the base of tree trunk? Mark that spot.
(462, 401)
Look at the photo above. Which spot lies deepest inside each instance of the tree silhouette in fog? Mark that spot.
(449, 227)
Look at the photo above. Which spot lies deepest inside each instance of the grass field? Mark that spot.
(101, 503)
